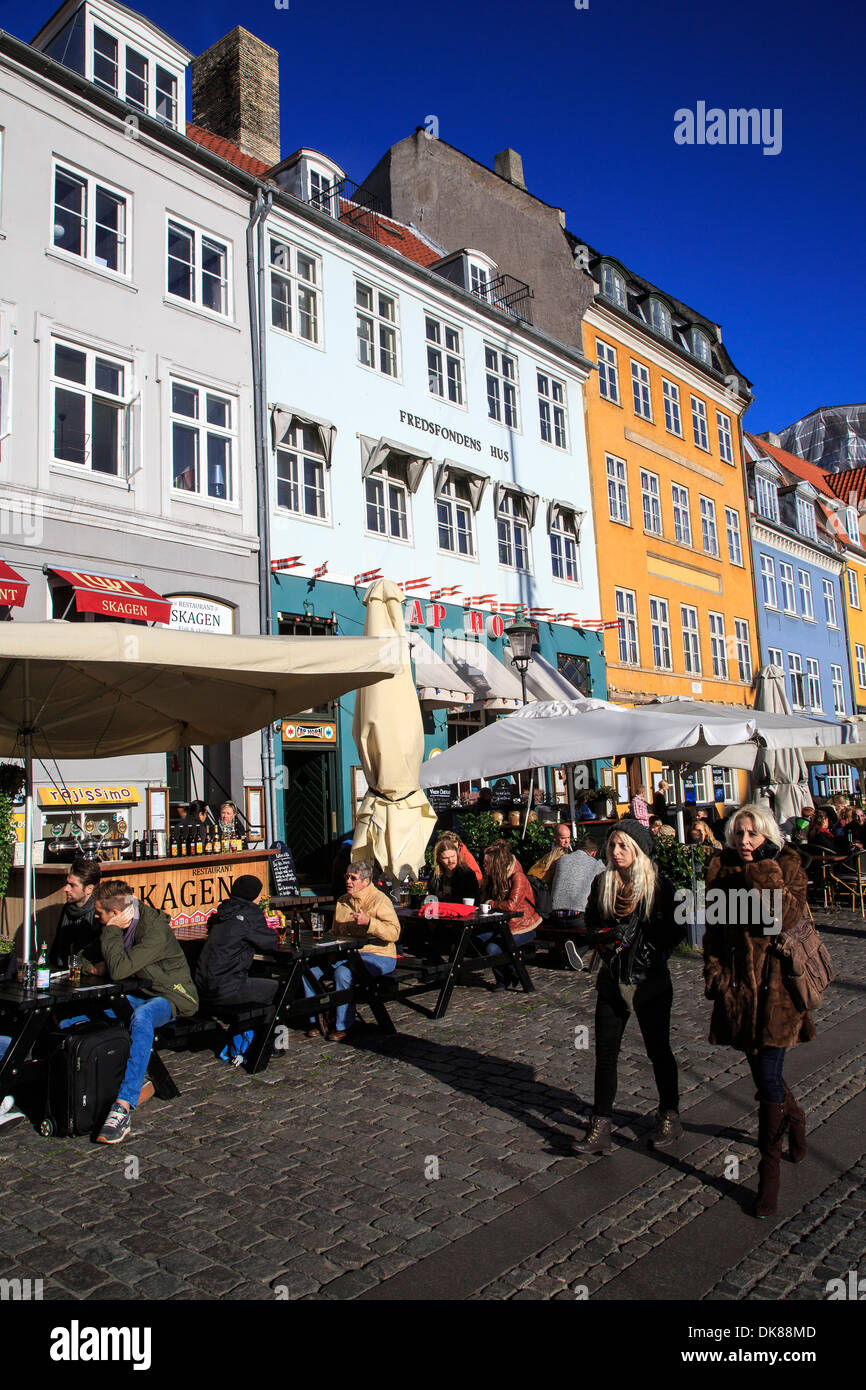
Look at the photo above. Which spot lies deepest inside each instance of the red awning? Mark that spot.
(13, 589)
(115, 597)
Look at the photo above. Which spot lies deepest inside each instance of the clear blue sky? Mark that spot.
(771, 247)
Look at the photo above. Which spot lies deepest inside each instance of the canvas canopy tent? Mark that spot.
(107, 689)
(554, 732)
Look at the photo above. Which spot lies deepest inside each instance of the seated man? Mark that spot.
(572, 881)
(235, 932)
(545, 867)
(76, 931)
(366, 913)
(138, 944)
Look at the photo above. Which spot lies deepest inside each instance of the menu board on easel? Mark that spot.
(284, 875)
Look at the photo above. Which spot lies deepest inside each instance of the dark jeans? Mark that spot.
(766, 1067)
(654, 1020)
(504, 974)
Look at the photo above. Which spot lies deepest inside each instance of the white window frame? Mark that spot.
(608, 371)
(830, 613)
(682, 514)
(552, 410)
(718, 646)
(807, 606)
(731, 784)
(838, 683)
(787, 588)
(380, 325)
(726, 439)
(446, 366)
(806, 523)
(450, 508)
(700, 346)
(125, 405)
(744, 649)
(796, 680)
(691, 639)
(660, 318)
(853, 589)
(613, 286)
(302, 459)
(651, 502)
(860, 654)
(303, 299)
(512, 521)
(775, 657)
(766, 497)
(768, 581)
(660, 632)
(732, 530)
(391, 481)
(199, 235)
(813, 684)
(626, 611)
(709, 529)
(640, 391)
(838, 779)
(617, 489)
(699, 424)
(93, 186)
(503, 386)
(204, 429)
(154, 67)
(565, 546)
(673, 416)
(852, 524)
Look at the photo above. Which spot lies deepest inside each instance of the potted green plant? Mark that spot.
(11, 785)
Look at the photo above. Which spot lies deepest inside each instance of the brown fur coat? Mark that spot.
(745, 1015)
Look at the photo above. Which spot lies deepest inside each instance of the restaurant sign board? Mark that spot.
(88, 796)
(191, 613)
(304, 735)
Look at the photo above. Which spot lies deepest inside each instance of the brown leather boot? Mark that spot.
(797, 1149)
(772, 1123)
(597, 1139)
(668, 1129)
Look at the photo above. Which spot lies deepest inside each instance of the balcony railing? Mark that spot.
(508, 294)
(352, 204)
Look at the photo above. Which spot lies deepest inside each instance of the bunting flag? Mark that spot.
(367, 577)
(292, 562)
(544, 615)
(320, 571)
(407, 584)
(443, 593)
(480, 600)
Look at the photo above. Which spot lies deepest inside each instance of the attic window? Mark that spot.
(613, 286)
(701, 346)
(660, 318)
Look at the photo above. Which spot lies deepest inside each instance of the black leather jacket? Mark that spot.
(639, 946)
(235, 932)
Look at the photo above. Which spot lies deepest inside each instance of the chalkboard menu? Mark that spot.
(284, 875)
(439, 798)
(502, 793)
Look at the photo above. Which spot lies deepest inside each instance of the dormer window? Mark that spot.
(613, 286)
(660, 318)
(766, 498)
(806, 518)
(701, 346)
(852, 523)
(480, 274)
(323, 188)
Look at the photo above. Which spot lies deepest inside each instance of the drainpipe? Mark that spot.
(258, 336)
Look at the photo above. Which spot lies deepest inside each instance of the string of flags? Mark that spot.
(408, 584)
(321, 571)
(292, 562)
(367, 577)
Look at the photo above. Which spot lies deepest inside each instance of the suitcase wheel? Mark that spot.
(46, 1129)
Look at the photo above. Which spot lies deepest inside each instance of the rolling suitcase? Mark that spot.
(85, 1070)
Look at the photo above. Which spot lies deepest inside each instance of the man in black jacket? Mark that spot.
(76, 930)
(235, 932)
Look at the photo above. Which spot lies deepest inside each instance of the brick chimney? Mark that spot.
(508, 165)
(236, 94)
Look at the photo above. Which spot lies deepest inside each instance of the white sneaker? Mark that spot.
(572, 956)
(8, 1111)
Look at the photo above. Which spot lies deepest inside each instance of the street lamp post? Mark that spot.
(522, 636)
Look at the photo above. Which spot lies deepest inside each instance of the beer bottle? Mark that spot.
(175, 835)
(154, 845)
(136, 847)
(199, 841)
(184, 844)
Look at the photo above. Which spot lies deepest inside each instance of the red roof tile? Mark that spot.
(809, 472)
(848, 481)
(226, 150)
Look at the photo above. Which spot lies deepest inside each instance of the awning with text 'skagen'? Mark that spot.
(13, 589)
(114, 596)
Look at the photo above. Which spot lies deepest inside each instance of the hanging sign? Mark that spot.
(88, 796)
(323, 734)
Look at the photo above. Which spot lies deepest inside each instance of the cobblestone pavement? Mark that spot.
(441, 1159)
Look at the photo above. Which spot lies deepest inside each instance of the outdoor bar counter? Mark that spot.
(187, 888)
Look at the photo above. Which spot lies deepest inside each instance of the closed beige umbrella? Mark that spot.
(395, 820)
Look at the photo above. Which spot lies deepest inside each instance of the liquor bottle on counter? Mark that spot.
(175, 846)
(154, 845)
(136, 847)
(199, 841)
(184, 840)
(208, 844)
(43, 970)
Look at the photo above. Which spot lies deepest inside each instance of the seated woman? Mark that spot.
(820, 837)
(506, 887)
(368, 914)
(701, 834)
(451, 881)
(235, 932)
(467, 860)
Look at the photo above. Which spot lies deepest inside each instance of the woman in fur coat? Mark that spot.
(752, 1008)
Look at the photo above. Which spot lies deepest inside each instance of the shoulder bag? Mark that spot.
(806, 966)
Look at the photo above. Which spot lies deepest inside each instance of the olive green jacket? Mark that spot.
(156, 961)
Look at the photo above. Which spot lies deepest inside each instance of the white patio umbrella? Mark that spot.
(554, 732)
(395, 820)
(107, 689)
(781, 771)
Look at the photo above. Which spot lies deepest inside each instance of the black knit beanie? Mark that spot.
(642, 837)
(247, 887)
